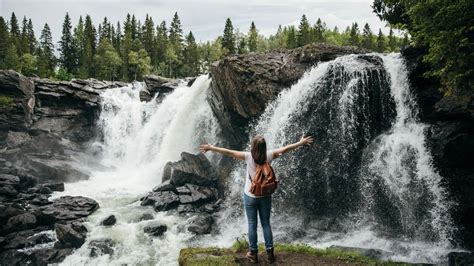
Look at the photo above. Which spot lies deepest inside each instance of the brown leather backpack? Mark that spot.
(264, 183)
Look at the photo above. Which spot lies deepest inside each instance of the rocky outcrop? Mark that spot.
(242, 85)
(29, 219)
(189, 187)
(157, 85)
(44, 122)
(451, 139)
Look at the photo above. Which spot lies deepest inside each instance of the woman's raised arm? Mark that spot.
(231, 153)
(303, 141)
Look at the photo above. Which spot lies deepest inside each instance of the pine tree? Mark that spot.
(4, 43)
(228, 39)
(117, 38)
(46, 58)
(176, 32)
(392, 42)
(15, 33)
(380, 42)
(242, 47)
(25, 48)
(105, 31)
(148, 38)
(319, 29)
(291, 41)
(304, 32)
(28, 64)
(12, 61)
(126, 47)
(367, 37)
(31, 38)
(78, 42)
(89, 45)
(253, 36)
(191, 56)
(354, 35)
(107, 61)
(67, 51)
(161, 47)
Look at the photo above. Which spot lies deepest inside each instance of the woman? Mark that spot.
(262, 205)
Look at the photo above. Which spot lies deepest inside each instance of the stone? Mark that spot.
(200, 224)
(11, 180)
(164, 186)
(109, 220)
(55, 186)
(15, 139)
(155, 230)
(162, 200)
(191, 169)
(146, 216)
(70, 208)
(21, 222)
(99, 247)
(70, 235)
(186, 208)
(8, 191)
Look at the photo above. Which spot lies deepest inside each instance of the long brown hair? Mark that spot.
(259, 149)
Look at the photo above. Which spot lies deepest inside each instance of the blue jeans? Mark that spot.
(263, 206)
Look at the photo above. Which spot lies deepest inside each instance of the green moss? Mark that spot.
(228, 256)
(6, 101)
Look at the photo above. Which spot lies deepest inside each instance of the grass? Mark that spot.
(227, 256)
(6, 101)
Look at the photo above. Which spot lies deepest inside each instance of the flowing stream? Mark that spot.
(368, 181)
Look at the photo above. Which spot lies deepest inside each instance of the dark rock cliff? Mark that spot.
(451, 138)
(242, 85)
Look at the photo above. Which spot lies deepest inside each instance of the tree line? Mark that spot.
(127, 51)
(445, 31)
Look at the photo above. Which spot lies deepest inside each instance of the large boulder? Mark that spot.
(191, 169)
(155, 230)
(68, 208)
(200, 224)
(71, 234)
(99, 247)
(242, 85)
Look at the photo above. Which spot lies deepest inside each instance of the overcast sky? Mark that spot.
(205, 18)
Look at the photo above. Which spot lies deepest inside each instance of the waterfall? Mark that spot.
(137, 139)
(368, 180)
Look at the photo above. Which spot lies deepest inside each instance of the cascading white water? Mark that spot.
(404, 140)
(138, 139)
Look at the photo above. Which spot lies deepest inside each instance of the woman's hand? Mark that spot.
(205, 147)
(305, 140)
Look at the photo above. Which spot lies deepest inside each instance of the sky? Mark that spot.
(205, 18)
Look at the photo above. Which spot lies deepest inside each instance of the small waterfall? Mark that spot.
(138, 138)
(367, 181)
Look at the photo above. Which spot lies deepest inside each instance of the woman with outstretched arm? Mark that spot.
(258, 155)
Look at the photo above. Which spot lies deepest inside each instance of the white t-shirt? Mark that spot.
(251, 169)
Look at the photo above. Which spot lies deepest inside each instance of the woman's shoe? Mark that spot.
(252, 256)
(270, 255)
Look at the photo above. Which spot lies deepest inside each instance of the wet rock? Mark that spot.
(8, 191)
(162, 200)
(10, 180)
(155, 230)
(55, 186)
(145, 96)
(40, 200)
(159, 85)
(99, 247)
(20, 90)
(164, 186)
(368, 252)
(146, 216)
(200, 224)
(460, 258)
(15, 257)
(50, 255)
(40, 238)
(15, 139)
(71, 235)
(242, 85)
(191, 169)
(185, 208)
(70, 208)
(21, 222)
(110, 220)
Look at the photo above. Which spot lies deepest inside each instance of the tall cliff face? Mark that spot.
(451, 137)
(243, 85)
